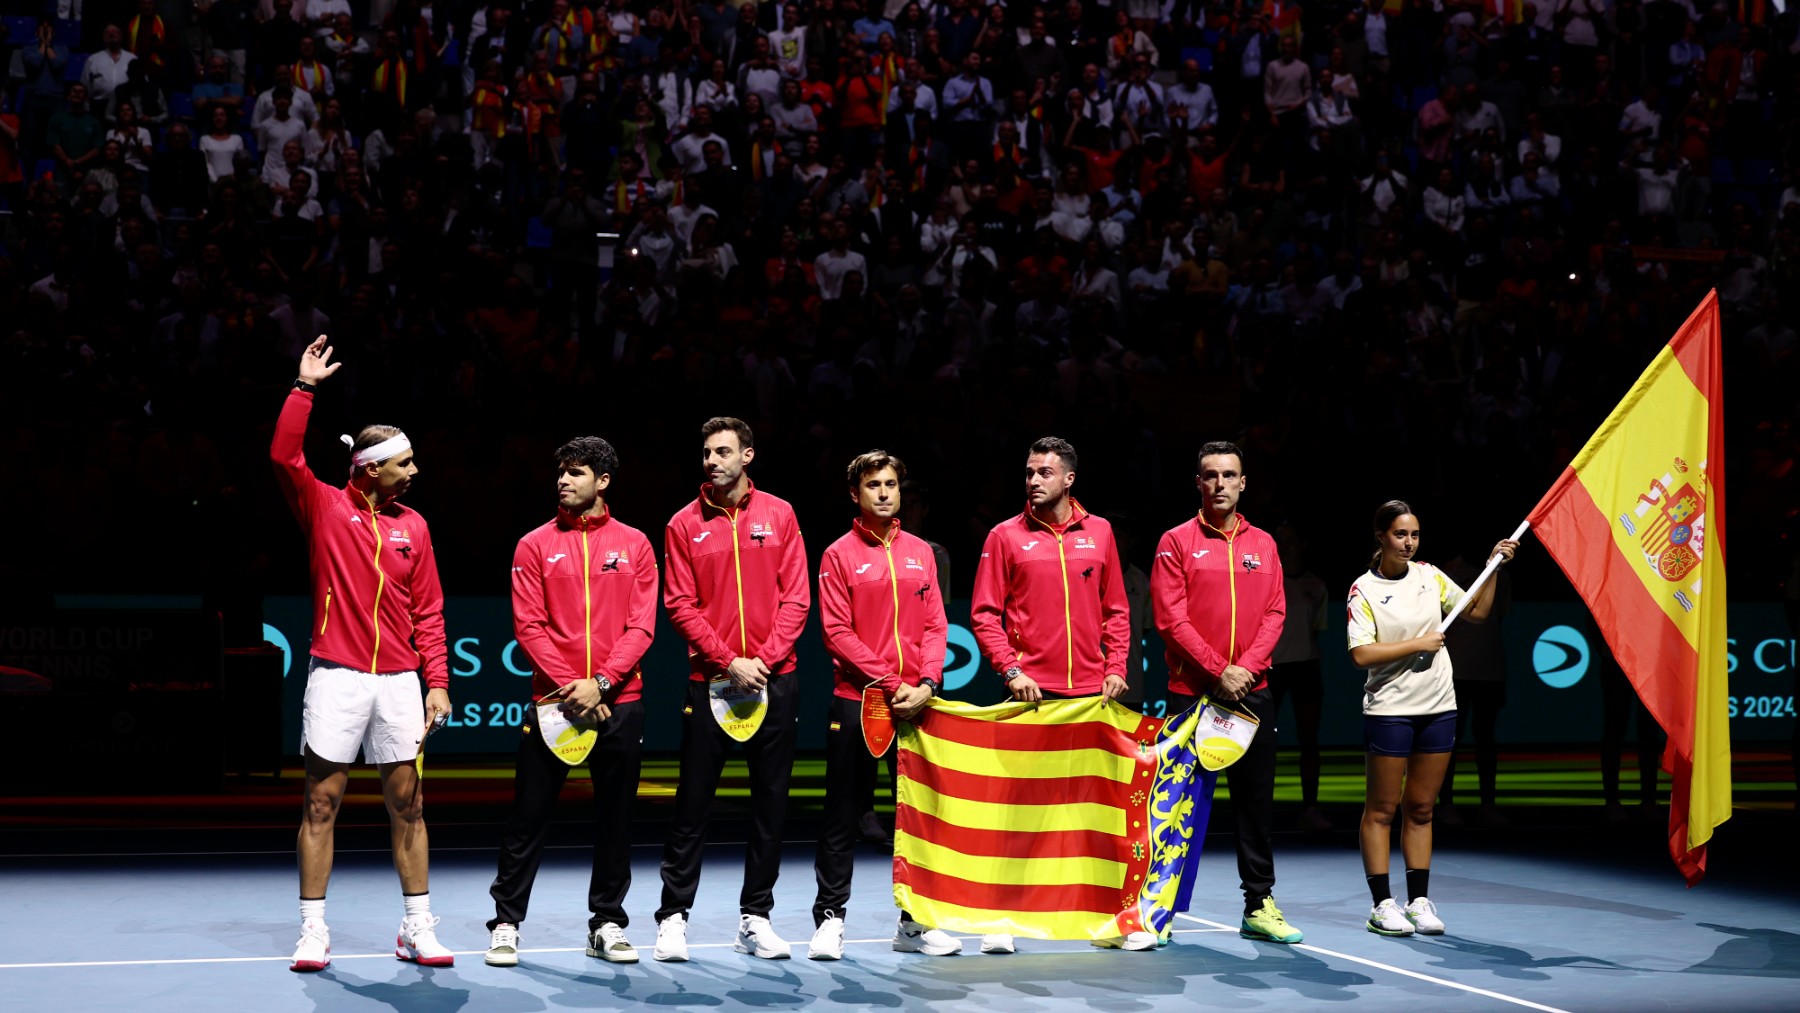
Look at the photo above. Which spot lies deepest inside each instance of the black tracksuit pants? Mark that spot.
(539, 778)
(1251, 781)
(704, 746)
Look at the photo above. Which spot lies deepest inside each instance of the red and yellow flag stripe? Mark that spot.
(1027, 819)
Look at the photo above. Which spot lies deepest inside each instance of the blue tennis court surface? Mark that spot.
(1593, 931)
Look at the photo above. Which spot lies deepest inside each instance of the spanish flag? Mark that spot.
(1069, 819)
(1637, 521)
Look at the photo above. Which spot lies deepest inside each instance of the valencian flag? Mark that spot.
(1069, 819)
(1637, 521)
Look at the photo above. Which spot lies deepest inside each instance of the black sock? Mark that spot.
(1418, 883)
(1379, 889)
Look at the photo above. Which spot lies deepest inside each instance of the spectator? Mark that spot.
(105, 70)
(179, 176)
(44, 93)
(221, 146)
(218, 89)
(75, 135)
(134, 139)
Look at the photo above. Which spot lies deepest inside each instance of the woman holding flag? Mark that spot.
(1395, 622)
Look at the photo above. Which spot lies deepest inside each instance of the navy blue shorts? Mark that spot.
(1403, 736)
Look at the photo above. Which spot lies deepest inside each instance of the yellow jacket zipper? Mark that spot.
(380, 583)
(894, 585)
(587, 605)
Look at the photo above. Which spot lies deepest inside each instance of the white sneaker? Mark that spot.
(608, 942)
(757, 938)
(418, 943)
(912, 937)
(503, 946)
(828, 940)
(998, 942)
(313, 952)
(1424, 917)
(1387, 919)
(671, 938)
(1133, 941)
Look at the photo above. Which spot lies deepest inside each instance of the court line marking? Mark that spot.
(1446, 982)
(460, 953)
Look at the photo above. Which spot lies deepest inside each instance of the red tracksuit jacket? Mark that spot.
(377, 603)
(1062, 595)
(1218, 601)
(584, 603)
(734, 582)
(884, 621)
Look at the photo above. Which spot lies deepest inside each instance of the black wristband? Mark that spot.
(305, 386)
(933, 686)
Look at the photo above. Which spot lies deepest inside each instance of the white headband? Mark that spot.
(387, 448)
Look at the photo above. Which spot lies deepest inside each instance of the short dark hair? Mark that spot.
(1060, 447)
(1221, 448)
(720, 423)
(590, 452)
(874, 460)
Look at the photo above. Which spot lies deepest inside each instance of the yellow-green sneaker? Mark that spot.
(1267, 924)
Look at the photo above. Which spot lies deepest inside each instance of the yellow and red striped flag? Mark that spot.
(1637, 521)
(1070, 819)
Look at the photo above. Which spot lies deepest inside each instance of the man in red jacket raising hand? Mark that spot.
(1216, 591)
(584, 610)
(885, 627)
(378, 618)
(736, 589)
(1049, 610)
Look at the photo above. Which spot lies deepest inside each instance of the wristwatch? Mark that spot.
(305, 386)
(930, 686)
(1012, 673)
(603, 682)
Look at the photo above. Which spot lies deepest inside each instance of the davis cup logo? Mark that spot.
(1671, 528)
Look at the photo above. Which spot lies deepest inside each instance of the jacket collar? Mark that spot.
(868, 535)
(1236, 532)
(707, 504)
(361, 502)
(579, 522)
(1077, 514)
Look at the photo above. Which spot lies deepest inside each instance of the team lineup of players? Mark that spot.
(1049, 613)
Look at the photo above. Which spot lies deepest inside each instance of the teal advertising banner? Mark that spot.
(1553, 664)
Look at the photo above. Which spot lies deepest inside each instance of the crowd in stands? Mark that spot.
(1395, 247)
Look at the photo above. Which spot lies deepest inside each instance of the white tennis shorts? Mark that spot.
(383, 714)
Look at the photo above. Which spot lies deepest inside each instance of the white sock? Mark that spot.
(312, 910)
(418, 905)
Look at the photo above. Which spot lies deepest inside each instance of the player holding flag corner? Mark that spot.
(1049, 609)
(1220, 605)
(378, 617)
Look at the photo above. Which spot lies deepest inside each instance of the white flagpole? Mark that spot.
(1469, 592)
